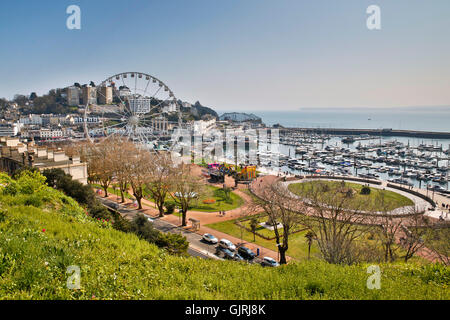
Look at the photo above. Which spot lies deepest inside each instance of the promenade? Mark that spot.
(149, 209)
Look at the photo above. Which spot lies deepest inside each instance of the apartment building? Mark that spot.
(15, 155)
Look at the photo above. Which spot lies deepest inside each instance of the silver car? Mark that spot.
(209, 238)
(227, 244)
(267, 261)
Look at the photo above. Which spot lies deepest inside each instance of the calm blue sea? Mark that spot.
(417, 118)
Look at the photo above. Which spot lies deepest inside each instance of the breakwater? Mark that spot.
(372, 132)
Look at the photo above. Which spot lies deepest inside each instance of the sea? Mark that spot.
(401, 118)
(435, 119)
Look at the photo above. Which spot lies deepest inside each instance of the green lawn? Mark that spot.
(111, 191)
(211, 192)
(298, 247)
(369, 202)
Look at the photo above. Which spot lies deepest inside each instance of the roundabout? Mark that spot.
(379, 200)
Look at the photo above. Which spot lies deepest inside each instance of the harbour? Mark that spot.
(411, 162)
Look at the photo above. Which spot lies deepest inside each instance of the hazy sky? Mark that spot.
(237, 54)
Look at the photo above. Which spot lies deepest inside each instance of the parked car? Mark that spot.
(238, 257)
(207, 237)
(438, 188)
(225, 253)
(227, 244)
(269, 262)
(246, 253)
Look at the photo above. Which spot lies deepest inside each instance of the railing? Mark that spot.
(417, 194)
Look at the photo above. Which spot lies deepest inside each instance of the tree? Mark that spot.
(226, 193)
(172, 242)
(101, 163)
(388, 229)
(281, 208)
(414, 230)
(254, 227)
(20, 99)
(337, 222)
(160, 179)
(185, 189)
(438, 240)
(138, 170)
(309, 239)
(123, 151)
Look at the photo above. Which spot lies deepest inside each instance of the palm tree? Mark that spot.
(309, 238)
(254, 226)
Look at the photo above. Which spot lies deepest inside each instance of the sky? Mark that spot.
(236, 55)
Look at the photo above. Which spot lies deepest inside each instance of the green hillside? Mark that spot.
(42, 232)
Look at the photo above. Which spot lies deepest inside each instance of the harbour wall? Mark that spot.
(373, 132)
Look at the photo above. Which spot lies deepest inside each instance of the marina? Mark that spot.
(419, 163)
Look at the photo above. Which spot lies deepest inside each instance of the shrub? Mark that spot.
(173, 243)
(30, 182)
(100, 212)
(365, 190)
(170, 208)
(325, 188)
(33, 200)
(144, 229)
(209, 201)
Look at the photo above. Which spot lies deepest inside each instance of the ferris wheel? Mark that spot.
(132, 105)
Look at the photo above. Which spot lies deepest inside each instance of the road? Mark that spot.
(197, 248)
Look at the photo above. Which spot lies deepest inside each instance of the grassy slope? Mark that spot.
(120, 266)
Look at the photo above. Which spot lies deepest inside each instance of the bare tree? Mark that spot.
(414, 231)
(337, 221)
(122, 152)
(388, 229)
(101, 163)
(138, 170)
(85, 151)
(438, 241)
(161, 177)
(186, 188)
(282, 212)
